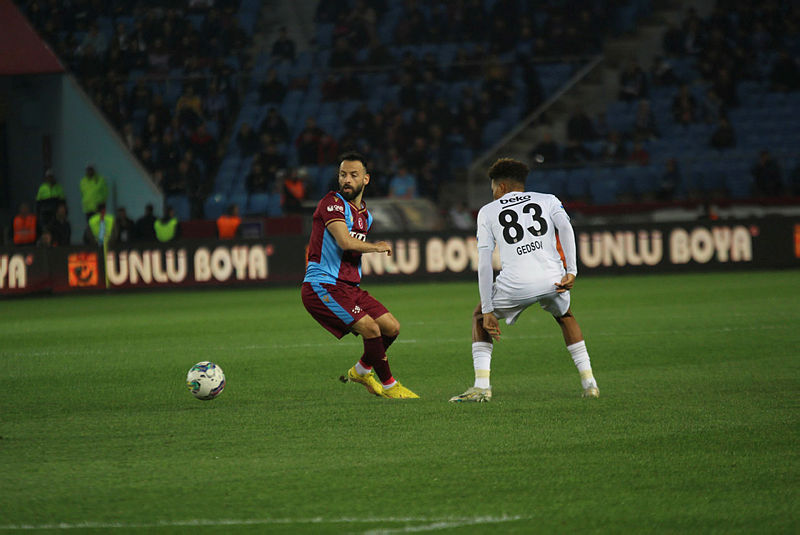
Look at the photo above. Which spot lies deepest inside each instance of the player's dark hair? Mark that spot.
(509, 169)
(353, 156)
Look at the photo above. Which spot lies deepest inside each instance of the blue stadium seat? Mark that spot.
(576, 184)
(493, 131)
(557, 181)
(462, 157)
(324, 35)
(274, 208)
(215, 205)
(239, 198)
(603, 190)
(645, 182)
(323, 178)
(322, 59)
(539, 181)
(258, 203)
(182, 206)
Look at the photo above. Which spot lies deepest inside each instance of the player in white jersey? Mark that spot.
(526, 228)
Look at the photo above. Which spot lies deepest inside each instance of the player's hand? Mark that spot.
(566, 283)
(383, 247)
(491, 325)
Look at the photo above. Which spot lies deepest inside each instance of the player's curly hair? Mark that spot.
(354, 156)
(509, 169)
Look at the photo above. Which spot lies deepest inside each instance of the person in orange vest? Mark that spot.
(25, 226)
(228, 223)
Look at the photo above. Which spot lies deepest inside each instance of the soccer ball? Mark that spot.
(205, 380)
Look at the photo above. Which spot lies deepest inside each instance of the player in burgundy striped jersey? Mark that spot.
(331, 291)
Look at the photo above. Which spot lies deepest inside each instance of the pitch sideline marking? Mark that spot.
(431, 523)
(446, 524)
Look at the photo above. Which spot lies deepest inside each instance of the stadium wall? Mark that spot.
(623, 249)
(51, 122)
(85, 137)
(31, 104)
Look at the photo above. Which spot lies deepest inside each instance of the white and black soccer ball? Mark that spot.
(205, 380)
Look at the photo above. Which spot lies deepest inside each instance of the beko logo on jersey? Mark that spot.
(513, 200)
(335, 208)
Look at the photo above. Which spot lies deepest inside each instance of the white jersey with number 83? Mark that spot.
(523, 226)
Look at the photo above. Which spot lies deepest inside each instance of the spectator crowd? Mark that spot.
(165, 74)
(698, 80)
(452, 68)
(168, 77)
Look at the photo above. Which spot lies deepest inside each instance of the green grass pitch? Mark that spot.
(696, 429)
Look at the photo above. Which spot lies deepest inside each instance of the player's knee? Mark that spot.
(371, 330)
(393, 329)
(367, 327)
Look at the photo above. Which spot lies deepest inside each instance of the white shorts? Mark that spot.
(509, 307)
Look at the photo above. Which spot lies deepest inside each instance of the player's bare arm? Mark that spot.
(338, 230)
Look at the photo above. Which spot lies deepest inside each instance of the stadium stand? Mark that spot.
(167, 76)
(740, 65)
(424, 71)
(426, 87)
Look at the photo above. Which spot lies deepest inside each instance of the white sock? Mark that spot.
(581, 359)
(390, 385)
(361, 370)
(481, 361)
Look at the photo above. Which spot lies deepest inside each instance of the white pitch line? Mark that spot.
(445, 524)
(430, 523)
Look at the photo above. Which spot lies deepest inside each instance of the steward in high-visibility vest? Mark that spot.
(48, 197)
(94, 191)
(167, 227)
(50, 189)
(24, 226)
(228, 223)
(102, 226)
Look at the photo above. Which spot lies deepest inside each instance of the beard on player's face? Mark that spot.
(350, 191)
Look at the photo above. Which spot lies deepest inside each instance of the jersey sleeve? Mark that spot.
(565, 234)
(331, 208)
(485, 236)
(485, 271)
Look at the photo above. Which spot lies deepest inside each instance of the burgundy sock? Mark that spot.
(387, 341)
(375, 356)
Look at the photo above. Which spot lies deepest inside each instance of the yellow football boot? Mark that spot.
(398, 391)
(372, 385)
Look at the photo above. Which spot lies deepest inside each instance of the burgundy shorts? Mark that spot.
(338, 306)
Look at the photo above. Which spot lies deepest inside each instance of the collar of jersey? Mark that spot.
(359, 210)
